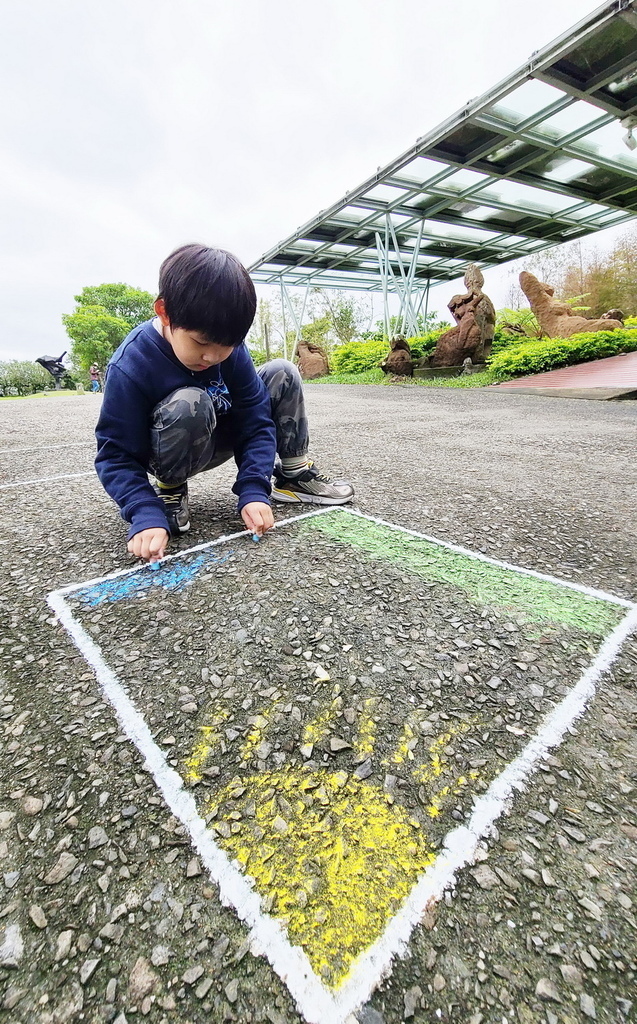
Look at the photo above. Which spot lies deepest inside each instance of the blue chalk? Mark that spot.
(155, 565)
(256, 538)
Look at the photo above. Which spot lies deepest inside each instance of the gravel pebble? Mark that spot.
(142, 980)
(97, 837)
(37, 915)
(547, 990)
(232, 990)
(63, 867)
(88, 969)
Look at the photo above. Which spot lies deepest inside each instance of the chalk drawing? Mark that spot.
(332, 854)
(170, 576)
(318, 1003)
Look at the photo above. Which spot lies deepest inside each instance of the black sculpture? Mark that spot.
(55, 366)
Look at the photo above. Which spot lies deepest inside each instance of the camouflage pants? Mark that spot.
(187, 437)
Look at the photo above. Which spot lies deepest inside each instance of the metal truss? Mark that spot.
(510, 174)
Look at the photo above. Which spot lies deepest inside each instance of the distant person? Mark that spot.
(96, 377)
(182, 395)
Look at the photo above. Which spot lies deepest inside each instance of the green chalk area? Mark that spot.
(535, 600)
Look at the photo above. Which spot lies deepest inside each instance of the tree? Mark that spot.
(345, 316)
(424, 324)
(119, 300)
(95, 334)
(317, 331)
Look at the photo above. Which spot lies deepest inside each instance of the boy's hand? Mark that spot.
(149, 544)
(257, 515)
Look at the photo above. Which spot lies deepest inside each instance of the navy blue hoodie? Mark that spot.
(142, 372)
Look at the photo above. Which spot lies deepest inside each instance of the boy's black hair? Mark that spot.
(208, 290)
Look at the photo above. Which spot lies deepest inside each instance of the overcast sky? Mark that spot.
(133, 126)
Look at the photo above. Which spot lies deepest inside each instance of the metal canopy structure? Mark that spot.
(545, 157)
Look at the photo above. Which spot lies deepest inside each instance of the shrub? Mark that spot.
(630, 321)
(424, 344)
(551, 353)
(23, 378)
(524, 319)
(357, 356)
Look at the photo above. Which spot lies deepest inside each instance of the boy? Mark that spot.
(182, 395)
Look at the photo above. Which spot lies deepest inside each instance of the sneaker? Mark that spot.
(175, 501)
(310, 486)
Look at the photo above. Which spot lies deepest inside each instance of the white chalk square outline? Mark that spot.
(315, 1002)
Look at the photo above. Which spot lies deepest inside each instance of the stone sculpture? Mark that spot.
(614, 314)
(474, 314)
(557, 319)
(312, 360)
(398, 360)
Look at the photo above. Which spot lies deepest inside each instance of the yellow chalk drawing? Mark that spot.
(334, 867)
(254, 737)
(367, 728)
(406, 744)
(333, 856)
(209, 737)
(319, 726)
(439, 765)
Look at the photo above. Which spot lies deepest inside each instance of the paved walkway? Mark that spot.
(616, 372)
(227, 781)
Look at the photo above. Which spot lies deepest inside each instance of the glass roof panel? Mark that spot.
(530, 198)
(617, 39)
(526, 100)
(565, 169)
(608, 142)
(386, 193)
(420, 170)
(463, 179)
(542, 189)
(579, 113)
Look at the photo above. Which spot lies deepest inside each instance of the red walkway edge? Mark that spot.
(614, 372)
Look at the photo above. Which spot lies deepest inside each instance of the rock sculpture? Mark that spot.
(474, 314)
(398, 360)
(614, 314)
(312, 360)
(557, 319)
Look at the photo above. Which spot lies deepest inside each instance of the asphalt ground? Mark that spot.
(336, 701)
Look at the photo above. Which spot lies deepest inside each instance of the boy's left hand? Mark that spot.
(257, 515)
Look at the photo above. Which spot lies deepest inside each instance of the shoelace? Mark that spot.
(315, 473)
(171, 498)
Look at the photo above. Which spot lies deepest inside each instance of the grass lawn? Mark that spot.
(376, 376)
(43, 394)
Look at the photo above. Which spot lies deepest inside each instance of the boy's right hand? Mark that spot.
(149, 544)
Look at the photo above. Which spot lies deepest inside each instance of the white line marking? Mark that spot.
(269, 939)
(46, 479)
(180, 554)
(46, 448)
(460, 845)
(582, 588)
(316, 1004)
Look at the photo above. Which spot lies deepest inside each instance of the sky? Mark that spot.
(132, 127)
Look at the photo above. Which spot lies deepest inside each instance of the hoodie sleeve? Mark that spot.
(254, 434)
(123, 451)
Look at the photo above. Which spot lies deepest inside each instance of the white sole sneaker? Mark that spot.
(299, 498)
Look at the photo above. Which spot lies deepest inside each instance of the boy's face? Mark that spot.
(192, 348)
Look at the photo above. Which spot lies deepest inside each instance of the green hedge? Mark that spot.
(22, 378)
(551, 353)
(358, 356)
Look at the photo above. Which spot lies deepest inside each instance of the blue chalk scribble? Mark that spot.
(173, 575)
